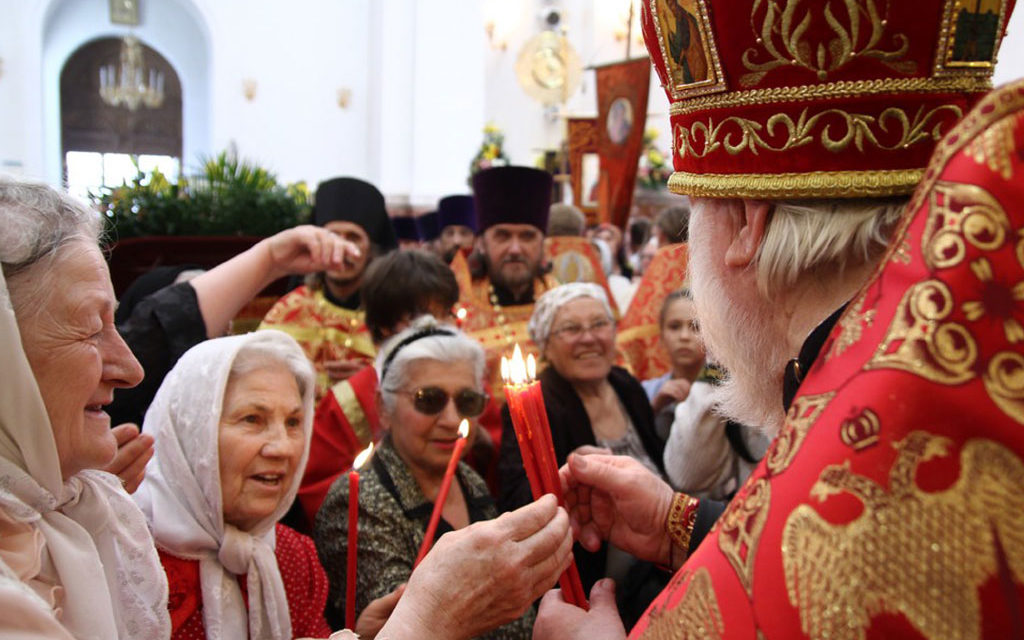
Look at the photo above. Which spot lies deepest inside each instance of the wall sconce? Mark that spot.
(344, 97)
(497, 45)
(249, 87)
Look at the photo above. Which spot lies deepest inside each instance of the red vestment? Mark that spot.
(325, 331)
(346, 421)
(890, 505)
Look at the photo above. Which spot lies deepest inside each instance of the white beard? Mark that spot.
(737, 329)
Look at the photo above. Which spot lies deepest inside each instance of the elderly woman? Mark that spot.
(590, 403)
(76, 559)
(232, 422)
(431, 378)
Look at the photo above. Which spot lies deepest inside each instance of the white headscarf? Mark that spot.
(181, 495)
(94, 539)
(547, 306)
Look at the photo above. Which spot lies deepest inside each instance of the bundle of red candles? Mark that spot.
(533, 432)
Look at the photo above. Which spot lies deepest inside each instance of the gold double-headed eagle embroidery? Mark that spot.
(695, 617)
(920, 554)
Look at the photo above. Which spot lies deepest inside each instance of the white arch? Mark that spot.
(177, 29)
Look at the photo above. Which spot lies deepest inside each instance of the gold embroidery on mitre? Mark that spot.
(1004, 382)
(958, 214)
(861, 431)
(695, 617)
(736, 135)
(740, 530)
(919, 342)
(970, 36)
(851, 328)
(801, 415)
(782, 29)
(995, 147)
(920, 554)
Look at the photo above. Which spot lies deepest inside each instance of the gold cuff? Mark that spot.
(682, 514)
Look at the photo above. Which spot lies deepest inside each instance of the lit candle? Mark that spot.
(353, 536)
(460, 316)
(533, 433)
(442, 495)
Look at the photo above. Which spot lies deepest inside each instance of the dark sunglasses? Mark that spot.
(431, 401)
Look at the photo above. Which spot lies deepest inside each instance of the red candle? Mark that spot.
(533, 433)
(442, 495)
(353, 537)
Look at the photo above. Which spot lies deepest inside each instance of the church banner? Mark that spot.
(622, 90)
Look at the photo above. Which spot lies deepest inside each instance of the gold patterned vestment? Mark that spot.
(891, 504)
(325, 331)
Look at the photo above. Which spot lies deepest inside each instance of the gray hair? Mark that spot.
(547, 307)
(264, 349)
(449, 347)
(565, 220)
(36, 222)
(805, 235)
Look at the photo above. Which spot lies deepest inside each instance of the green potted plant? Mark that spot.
(205, 219)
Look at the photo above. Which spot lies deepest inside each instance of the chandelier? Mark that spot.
(128, 85)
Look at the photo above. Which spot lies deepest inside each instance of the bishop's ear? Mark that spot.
(748, 232)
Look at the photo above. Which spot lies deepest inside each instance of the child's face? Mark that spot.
(680, 334)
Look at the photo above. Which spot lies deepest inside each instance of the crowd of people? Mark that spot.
(824, 440)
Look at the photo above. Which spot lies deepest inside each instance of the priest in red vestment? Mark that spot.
(888, 504)
(324, 315)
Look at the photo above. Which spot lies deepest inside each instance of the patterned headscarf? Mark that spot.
(547, 307)
(83, 537)
(181, 495)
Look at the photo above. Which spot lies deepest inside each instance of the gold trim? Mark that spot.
(714, 84)
(811, 184)
(991, 108)
(834, 90)
(746, 135)
(349, 403)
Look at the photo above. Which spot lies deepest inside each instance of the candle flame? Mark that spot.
(516, 367)
(464, 428)
(531, 367)
(363, 456)
(461, 313)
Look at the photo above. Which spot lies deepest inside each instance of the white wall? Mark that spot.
(422, 76)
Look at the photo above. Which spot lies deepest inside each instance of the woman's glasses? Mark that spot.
(431, 401)
(575, 331)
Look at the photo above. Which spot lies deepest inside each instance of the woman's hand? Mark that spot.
(134, 451)
(559, 620)
(307, 249)
(616, 498)
(485, 575)
(376, 614)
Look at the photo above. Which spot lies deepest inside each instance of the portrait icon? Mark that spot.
(620, 120)
(683, 37)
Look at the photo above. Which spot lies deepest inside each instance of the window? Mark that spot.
(105, 146)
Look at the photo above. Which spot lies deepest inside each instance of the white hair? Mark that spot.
(547, 306)
(447, 345)
(36, 222)
(807, 235)
(259, 353)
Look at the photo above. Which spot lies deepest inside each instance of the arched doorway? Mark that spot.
(104, 145)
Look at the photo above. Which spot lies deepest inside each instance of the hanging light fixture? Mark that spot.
(128, 85)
